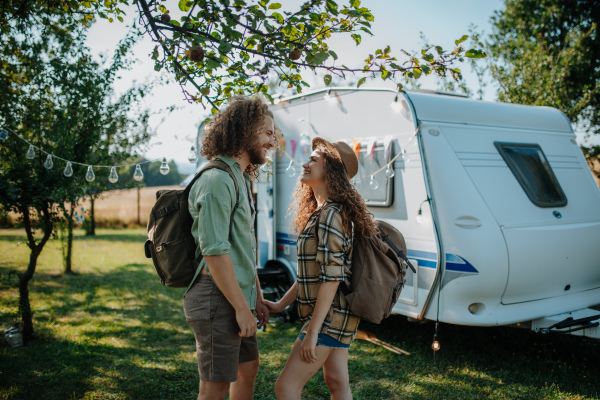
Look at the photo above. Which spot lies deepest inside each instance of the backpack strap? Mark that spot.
(222, 165)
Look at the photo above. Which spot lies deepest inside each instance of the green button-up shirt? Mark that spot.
(211, 201)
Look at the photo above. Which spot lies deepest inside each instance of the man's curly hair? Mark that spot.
(234, 129)
(356, 217)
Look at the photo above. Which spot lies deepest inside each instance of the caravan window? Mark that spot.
(382, 196)
(532, 170)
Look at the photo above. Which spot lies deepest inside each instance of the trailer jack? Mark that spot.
(575, 321)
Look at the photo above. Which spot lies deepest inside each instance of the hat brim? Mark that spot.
(316, 142)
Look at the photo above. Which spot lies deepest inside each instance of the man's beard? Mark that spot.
(256, 155)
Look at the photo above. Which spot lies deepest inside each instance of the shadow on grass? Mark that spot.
(479, 362)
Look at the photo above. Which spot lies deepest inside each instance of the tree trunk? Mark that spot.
(68, 258)
(25, 277)
(139, 221)
(92, 229)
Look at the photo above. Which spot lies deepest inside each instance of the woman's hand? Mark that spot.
(308, 348)
(262, 313)
(274, 307)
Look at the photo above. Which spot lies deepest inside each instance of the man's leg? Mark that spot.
(243, 388)
(210, 390)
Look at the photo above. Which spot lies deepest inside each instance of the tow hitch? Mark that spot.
(578, 322)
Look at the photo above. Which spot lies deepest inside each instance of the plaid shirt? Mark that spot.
(330, 260)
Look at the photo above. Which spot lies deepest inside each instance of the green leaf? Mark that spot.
(416, 73)
(321, 57)
(275, 6)
(356, 38)
(225, 47)
(333, 54)
(332, 7)
(185, 5)
(462, 39)
(278, 17)
(355, 3)
(360, 82)
(327, 79)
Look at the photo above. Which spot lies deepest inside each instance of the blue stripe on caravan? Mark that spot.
(459, 264)
(284, 238)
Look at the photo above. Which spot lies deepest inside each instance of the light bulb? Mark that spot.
(113, 177)
(76, 216)
(291, 170)
(3, 134)
(435, 346)
(396, 105)
(374, 185)
(31, 152)
(419, 217)
(193, 157)
(48, 163)
(68, 170)
(89, 175)
(138, 175)
(389, 172)
(164, 167)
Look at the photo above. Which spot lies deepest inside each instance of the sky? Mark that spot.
(398, 23)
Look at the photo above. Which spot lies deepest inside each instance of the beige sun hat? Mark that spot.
(343, 152)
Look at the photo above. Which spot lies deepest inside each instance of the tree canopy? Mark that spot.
(548, 54)
(218, 48)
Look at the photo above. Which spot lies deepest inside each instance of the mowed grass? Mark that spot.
(113, 332)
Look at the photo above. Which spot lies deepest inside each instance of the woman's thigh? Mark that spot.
(335, 367)
(296, 372)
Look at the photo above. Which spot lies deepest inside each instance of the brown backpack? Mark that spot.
(378, 269)
(170, 242)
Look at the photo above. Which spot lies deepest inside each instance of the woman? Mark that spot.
(324, 192)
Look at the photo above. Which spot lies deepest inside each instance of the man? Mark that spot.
(218, 306)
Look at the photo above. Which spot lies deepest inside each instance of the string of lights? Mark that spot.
(113, 177)
(138, 175)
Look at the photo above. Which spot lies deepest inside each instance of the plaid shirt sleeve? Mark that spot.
(333, 245)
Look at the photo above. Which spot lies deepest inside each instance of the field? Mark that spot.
(119, 208)
(111, 331)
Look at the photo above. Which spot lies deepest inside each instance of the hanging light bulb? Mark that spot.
(3, 134)
(138, 175)
(435, 346)
(193, 157)
(396, 105)
(374, 185)
(164, 167)
(291, 170)
(68, 170)
(76, 216)
(31, 152)
(113, 177)
(389, 172)
(48, 163)
(89, 175)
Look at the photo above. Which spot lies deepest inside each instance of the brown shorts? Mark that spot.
(219, 347)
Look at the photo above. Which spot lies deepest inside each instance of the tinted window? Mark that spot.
(532, 170)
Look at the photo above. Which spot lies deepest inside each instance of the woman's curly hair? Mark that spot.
(352, 206)
(234, 129)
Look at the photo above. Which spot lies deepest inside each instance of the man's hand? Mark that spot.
(262, 313)
(246, 322)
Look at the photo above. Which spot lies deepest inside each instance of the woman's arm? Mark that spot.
(285, 301)
(325, 297)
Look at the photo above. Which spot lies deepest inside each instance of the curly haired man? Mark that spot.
(218, 306)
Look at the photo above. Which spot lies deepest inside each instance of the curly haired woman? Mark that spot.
(218, 305)
(323, 193)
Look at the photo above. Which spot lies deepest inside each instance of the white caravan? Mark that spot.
(498, 207)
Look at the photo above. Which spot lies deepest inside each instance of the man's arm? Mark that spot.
(222, 271)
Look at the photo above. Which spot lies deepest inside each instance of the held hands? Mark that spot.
(262, 313)
(274, 307)
(308, 348)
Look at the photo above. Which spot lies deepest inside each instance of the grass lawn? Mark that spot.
(113, 332)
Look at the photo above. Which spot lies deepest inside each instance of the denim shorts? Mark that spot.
(327, 341)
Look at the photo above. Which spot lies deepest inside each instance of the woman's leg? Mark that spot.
(335, 370)
(297, 373)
